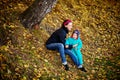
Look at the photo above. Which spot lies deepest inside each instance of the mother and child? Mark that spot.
(70, 46)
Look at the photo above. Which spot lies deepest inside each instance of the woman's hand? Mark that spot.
(66, 46)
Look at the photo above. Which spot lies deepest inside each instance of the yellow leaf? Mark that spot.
(35, 70)
(93, 71)
(26, 65)
(4, 48)
(38, 75)
(53, 79)
(3, 66)
(16, 69)
(40, 49)
(45, 60)
(62, 78)
(118, 63)
(24, 78)
(33, 47)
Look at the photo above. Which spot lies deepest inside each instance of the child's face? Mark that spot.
(74, 36)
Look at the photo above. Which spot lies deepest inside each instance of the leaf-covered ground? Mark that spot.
(23, 55)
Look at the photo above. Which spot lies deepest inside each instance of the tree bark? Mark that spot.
(36, 12)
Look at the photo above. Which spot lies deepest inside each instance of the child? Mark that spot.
(76, 44)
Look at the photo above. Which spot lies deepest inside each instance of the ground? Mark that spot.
(23, 54)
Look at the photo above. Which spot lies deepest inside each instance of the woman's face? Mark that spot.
(74, 36)
(69, 26)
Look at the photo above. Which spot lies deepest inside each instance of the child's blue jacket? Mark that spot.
(72, 41)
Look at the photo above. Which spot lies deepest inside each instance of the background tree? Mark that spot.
(31, 17)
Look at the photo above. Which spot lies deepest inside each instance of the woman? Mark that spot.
(57, 42)
(76, 44)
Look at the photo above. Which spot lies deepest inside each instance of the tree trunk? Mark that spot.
(36, 12)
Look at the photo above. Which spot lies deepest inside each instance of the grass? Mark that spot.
(23, 54)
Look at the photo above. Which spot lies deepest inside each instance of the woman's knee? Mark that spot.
(60, 45)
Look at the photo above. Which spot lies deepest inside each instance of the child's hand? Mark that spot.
(75, 45)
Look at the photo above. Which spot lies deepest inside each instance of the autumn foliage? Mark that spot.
(23, 55)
